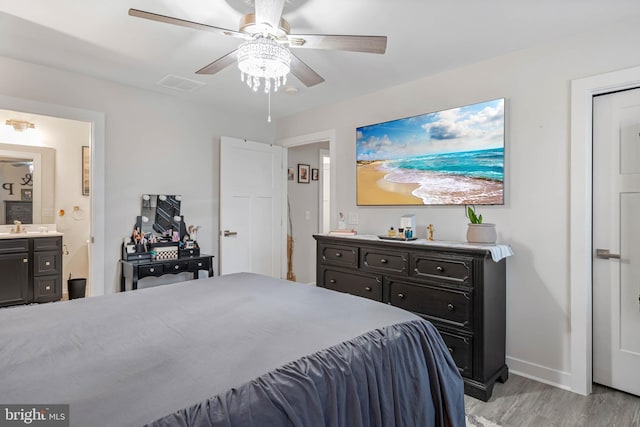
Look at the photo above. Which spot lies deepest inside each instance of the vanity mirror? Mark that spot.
(160, 213)
(27, 176)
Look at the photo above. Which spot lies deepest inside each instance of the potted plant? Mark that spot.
(478, 231)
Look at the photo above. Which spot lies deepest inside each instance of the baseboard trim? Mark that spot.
(540, 373)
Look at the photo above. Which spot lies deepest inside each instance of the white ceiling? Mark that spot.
(99, 38)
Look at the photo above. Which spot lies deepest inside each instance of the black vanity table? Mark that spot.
(133, 270)
(160, 214)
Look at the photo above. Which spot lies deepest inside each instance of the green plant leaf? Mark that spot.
(471, 213)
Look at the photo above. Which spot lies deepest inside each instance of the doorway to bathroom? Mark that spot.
(45, 170)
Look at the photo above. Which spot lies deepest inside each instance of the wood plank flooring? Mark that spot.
(523, 402)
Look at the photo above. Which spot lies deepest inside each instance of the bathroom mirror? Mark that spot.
(160, 213)
(27, 184)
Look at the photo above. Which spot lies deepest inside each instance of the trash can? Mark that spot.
(76, 287)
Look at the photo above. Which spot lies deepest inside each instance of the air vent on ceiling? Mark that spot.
(180, 83)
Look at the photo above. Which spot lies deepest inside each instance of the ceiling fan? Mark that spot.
(265, 51)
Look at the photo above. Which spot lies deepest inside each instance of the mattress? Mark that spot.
(235, 350)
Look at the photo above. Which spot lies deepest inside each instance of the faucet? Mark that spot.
(17, 229)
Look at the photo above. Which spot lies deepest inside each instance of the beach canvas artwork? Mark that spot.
(450, 157)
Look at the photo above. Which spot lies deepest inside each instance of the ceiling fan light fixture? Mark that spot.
(264, 58)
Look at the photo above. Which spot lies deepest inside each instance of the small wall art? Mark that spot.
(290, 174)
(26, 194)
(315, 173)
(303, 173)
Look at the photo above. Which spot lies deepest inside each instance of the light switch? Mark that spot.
(307, 215)
(353, 218)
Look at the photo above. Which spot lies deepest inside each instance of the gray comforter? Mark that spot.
(237, 350)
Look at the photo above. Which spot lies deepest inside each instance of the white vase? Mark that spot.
(482, 233)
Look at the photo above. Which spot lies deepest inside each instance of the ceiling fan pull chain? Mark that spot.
(269, 107)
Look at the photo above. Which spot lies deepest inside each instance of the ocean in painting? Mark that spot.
(483, 164)
(469, 177)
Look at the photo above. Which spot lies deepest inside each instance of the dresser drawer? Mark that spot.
(150, 270)
(47, 244)
(354, 284)
(47, 288)
(346, 256)
(451, 269)
(46, 263)
(175, 266)
(460, 348)
(442, 304)
(200, 264)
(384, 261)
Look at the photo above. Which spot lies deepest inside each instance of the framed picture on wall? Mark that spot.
(303, 173)
(26, 194)
(86, 172)
(290, 174)
(315, 174)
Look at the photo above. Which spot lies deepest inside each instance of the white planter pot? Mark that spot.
(482, 233)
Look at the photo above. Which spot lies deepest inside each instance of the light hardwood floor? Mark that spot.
(523, 402)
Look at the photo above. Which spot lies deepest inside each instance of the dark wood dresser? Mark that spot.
(459, 288)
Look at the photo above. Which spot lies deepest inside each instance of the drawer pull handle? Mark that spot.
(176, 267)
(199, 264)
(451, 349)
(401, 296)
(450, 307)
(47, 263)
(25, 260)
(332, 281)
(338, 255)
(368, 289)
(383, 261)
(47, 288)
(440, 269)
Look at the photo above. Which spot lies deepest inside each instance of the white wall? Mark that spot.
(304, 198)
(535, 217)
(154, 144)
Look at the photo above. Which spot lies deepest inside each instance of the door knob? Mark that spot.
(605, 254)
(228, 233)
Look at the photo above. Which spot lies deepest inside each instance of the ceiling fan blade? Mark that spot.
(304, 73)
(368, 44)
(184, 23)
(219, 64)
(269, 12)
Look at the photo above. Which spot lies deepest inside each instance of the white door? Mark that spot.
(616, 240)
(251, 207)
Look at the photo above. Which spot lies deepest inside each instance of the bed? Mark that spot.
(235, 350)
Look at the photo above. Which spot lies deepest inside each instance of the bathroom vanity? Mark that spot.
(30, 268)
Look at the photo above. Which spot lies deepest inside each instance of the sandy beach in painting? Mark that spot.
(374, 190)
(378, 185)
